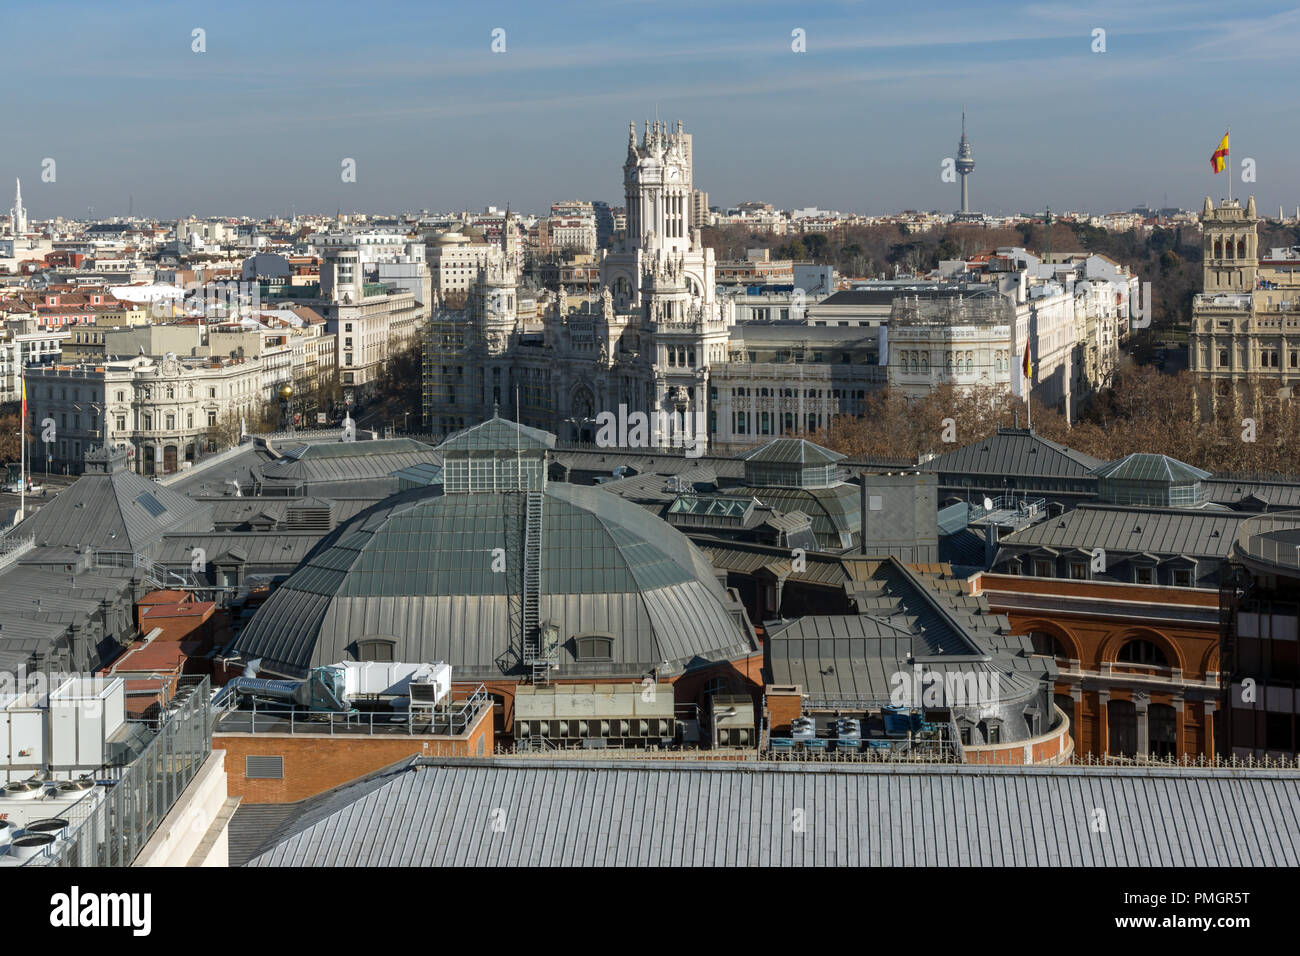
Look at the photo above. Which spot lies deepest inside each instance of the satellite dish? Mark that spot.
(988, 503)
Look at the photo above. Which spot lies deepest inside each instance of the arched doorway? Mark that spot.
(1122, 717)
(169, 459)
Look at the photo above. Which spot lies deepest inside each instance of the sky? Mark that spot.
(261, 121)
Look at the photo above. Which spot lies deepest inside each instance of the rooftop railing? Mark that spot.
(450, 719)
(112, 830)
(1222, 300)
(1273, 539)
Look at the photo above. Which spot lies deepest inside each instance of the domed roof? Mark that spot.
(438, 576)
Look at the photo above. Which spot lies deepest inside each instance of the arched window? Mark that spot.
(1241, 248)
(1047, 645)
(1218, 248)
(594, 647)
(1142, 652)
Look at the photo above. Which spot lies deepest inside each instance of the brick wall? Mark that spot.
(314, 763)
(784, 704)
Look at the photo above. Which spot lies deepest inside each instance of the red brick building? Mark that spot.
(1139, 664)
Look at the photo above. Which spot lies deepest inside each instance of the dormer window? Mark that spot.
(379, 649)
(594, 647)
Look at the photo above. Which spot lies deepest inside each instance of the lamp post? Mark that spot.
(97, 412)
(285, 392)
(578, 422)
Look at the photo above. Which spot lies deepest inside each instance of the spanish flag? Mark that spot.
(1028, 367)
(1219, 161)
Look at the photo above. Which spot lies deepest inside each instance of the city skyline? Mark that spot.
(259, 124)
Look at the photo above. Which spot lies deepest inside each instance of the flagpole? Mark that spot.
(22, 430)
(1227, 165)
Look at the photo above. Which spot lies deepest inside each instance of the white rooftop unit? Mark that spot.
(22, 734)
(85, 714)
(385, 679)
(65, 731)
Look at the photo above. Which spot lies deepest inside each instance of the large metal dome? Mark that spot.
(436, 577)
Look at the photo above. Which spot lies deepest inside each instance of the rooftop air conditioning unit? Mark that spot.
(24, 790)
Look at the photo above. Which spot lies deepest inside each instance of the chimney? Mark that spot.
(990, 545)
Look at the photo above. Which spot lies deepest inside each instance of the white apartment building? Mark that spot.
(373, 245)
(368, 318)
(250, 339)
(454, 261)
(573, 233)
(19, 349)
(159, 409)
(1070, 327)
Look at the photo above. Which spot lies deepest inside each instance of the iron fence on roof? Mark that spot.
(13, 547)
(1264, 764)
(523, 749)
(112, 830)
(1187, 761)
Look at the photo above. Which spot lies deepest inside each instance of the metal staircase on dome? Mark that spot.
(532, 585)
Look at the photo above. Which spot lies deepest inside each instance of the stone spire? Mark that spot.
(18, 215)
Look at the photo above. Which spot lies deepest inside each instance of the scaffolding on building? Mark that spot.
(443, 371)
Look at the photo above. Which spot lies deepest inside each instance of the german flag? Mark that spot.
(1219, 161)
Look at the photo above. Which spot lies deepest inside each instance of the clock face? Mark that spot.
(673, 172)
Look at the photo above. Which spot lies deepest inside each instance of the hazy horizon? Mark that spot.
(259, 124)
